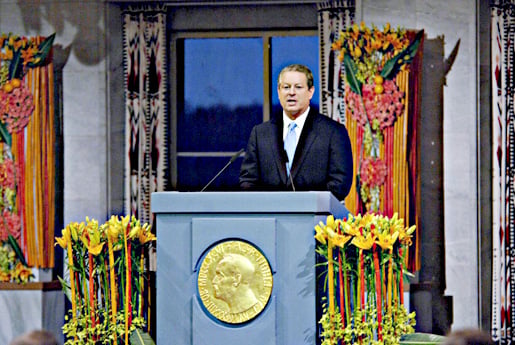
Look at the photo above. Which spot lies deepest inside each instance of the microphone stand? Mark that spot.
(233, 158)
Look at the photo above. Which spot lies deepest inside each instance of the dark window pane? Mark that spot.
(223, 93)
(290, 50)
(196, 172)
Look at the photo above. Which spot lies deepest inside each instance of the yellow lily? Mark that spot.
(75, 228)
(364, 242)
(350, 229)
(340, 240)
(91, 237)
(320, 234)
(114, 228)
(386, 240)
(125, 221)
(387, 27)
(364, 221)
(66, 237)
(406, 234)
(146, 235)
(135, 230)
(330, 222)
(329, 230)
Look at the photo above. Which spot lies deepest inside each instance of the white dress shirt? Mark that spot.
(300, 120)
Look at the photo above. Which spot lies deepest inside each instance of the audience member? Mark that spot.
(469, 337)
(36, 337)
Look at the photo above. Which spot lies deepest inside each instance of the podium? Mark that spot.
(278, 226)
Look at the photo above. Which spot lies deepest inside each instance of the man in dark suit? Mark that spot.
(322, 158)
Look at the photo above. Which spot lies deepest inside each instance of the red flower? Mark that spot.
(373, 172)
(10, 224)
(7, 174)
(16, 108)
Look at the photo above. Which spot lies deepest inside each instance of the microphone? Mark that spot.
(288, 169)
(233, 158)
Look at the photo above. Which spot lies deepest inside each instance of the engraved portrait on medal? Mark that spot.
(234, 281)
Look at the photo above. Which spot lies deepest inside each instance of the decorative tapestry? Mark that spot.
(503, 170)
(144, 39)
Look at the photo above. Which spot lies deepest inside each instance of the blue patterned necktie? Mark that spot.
(290, 142)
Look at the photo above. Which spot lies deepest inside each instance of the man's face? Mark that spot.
(294, 93)
(223, 283)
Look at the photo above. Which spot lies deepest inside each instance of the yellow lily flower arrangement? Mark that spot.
(108, 281)
(365, 257)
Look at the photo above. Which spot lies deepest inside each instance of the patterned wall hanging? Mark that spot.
(144, 51)
(28, 159)
(333, 17)
(503, 170)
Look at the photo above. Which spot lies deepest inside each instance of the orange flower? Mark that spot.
(28, 54)
(22, 273)
(5, 276)
(8, 55)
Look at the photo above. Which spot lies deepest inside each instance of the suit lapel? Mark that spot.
(306, 139)
(278, 148)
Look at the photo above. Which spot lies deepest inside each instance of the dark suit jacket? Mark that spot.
(322, 161)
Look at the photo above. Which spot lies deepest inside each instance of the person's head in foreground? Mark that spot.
(36, 337)
(468, 337)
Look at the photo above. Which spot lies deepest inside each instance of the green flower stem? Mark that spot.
(401, 279)
(121, 286)
(91, 292)
(378, 292)
(82, 275)
(330, 275)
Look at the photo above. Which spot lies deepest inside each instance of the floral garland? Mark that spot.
(372, 58)
(17, 56)
(107, 280)
(10, 222)
(365, 271)
(13, 267)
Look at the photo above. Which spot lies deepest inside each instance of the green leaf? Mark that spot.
(350, 72)
(5, 136)
(138, 337)
(43, 50)
(66, 288)
(14, 244)
(16, 68)
(392, 66)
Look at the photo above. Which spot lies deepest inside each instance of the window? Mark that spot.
(225, 85)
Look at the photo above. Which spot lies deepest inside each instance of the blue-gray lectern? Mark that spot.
(280, 225)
